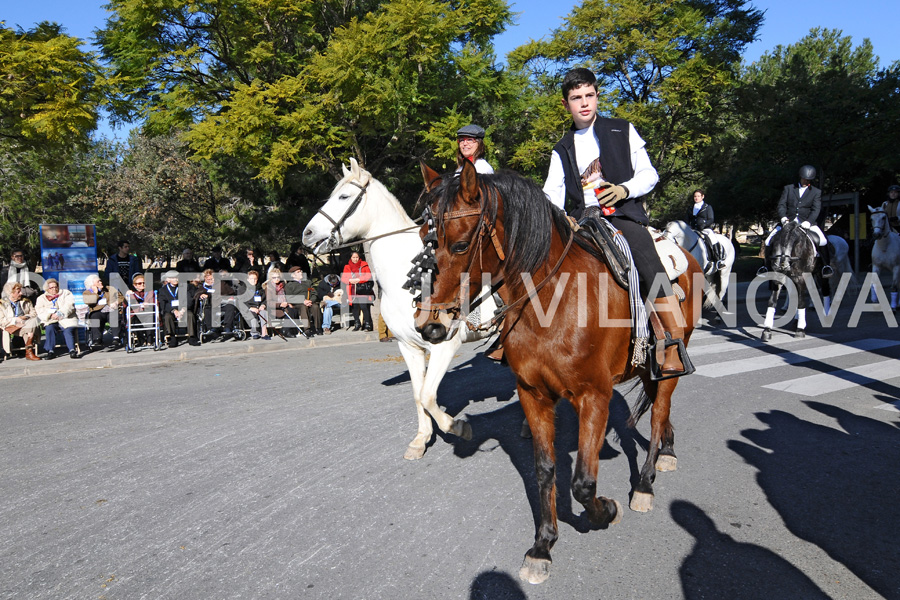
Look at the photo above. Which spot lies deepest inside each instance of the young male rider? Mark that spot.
(616, 173)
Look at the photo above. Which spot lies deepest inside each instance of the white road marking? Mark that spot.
(842, 379)
(758, 363)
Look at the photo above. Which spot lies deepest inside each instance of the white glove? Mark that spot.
(805, 224)
(784, 220)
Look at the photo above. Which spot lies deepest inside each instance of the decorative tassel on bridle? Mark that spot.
(425, 262)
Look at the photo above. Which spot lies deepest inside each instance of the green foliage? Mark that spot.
(49, 92)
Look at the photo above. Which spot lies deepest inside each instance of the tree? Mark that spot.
(50, 94)
(290, 88)
(50, 91)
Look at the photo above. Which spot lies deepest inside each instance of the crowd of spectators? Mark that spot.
(216, 301)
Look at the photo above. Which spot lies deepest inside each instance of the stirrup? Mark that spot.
(827, 271)
(659, 349)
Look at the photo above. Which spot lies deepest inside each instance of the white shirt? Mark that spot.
(587, 148)
(481, 166)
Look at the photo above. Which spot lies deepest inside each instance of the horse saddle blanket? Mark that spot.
(602, 234)
(670, 255)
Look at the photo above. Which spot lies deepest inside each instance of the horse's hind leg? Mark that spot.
(593, 415)
(541, 416)
(661, 449)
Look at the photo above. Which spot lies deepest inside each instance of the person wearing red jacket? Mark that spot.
(357, 278)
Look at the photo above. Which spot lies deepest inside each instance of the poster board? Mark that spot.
(69, 254)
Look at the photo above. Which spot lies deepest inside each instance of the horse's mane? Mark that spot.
(528, 216)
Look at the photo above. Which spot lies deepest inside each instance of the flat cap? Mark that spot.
(472, 131)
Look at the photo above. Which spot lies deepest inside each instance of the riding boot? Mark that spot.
(825, 253)
(671, 317)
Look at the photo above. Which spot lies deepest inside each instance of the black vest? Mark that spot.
(615, 158)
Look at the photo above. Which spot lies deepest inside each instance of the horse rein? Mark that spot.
(336, 230)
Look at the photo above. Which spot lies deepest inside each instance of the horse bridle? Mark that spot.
(879, 211)
(454, 309)
(336, 230)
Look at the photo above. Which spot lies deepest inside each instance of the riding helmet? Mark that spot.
(894, 188)
(807, 172)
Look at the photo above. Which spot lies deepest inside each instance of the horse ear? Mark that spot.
(870, 208)
(354, 167)
(884, 206)
(468, 183)
(345, 170)
(429, 175)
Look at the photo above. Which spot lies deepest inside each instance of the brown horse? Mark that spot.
(502, 226)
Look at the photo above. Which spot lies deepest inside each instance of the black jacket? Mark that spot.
(703, 219)
(805, 208)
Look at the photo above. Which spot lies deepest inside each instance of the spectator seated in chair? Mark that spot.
(255, 298)
(276, 305)
(304, 299)
(105, 305)
(174, 309)
(330, 292)
(211, 297)
(56, 312)
(18, 317)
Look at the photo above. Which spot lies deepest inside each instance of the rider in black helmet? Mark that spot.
(802, 202)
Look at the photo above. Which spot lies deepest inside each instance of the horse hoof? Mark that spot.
(414, 452)
(766, 336)
(641, 502)
(619, 513)
(462, 429)
(534, 570)
(799, 334)
(526, 430)
(666, 462)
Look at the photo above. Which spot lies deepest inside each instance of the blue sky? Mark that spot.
(786, 21)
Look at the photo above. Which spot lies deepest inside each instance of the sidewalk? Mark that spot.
(19, 367)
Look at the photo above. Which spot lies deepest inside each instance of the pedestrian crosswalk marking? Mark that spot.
(741, 344)
(733, 367)
(842, 379)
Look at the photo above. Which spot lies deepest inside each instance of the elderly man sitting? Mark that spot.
(56, 312)
(104, 306)
(19, 318)
(173, 308)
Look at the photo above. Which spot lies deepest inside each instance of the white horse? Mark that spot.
(680, 233)
(886, 251)
(378, 213)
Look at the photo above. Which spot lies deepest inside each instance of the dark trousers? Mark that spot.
(646, 260)
(98, 319)
(366, 309)
(170, 324)
(229, 314)
(52, 330)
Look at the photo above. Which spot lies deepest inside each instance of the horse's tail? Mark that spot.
(641, 405)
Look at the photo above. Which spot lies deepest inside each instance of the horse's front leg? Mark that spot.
(593, 414)
(802, 303)
(770, 311)
(895, 287)
(438, 363)
(874, 296)
(540, 412)
(415, 363)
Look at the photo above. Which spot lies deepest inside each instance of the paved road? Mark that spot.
(275, 471)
